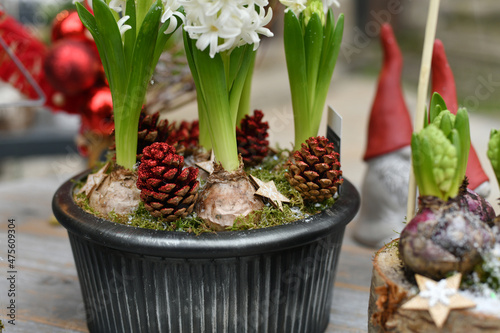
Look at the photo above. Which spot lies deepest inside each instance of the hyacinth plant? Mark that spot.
(312, 41)
(130, 36)
(221, 38)
(444, 236)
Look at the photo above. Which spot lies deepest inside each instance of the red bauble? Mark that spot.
(98, 112)
(72, 66)
(67, 24)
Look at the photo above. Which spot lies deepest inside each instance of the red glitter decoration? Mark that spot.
(168, 190)
(72, 66)
(251, 138)
(30, 52)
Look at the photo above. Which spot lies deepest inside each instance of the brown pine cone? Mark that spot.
(151, 130)
(251, 138)
(167, 189)
(315, 171)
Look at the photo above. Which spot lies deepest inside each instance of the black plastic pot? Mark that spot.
(278, 279)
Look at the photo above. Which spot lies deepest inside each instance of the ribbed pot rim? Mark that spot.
(225, 244)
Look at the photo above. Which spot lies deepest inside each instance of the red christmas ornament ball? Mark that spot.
(67, 24)
(72, 66)
(98, 113)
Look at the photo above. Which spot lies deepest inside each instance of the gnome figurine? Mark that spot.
(385, 186)
(443, 83)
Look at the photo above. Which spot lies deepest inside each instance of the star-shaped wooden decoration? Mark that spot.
(208, 166)
(94, 180)
(439, 298)
(269, 191)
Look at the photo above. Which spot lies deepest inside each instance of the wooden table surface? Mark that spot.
(48, 297)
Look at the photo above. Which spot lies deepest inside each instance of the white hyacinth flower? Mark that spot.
(223, 25)
(122, 26)
(117, 5)
(254, 26)
(171, 12)
(296, 6)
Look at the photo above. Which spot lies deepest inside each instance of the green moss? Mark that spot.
(393, 245)
(485, 277)
(272, 169)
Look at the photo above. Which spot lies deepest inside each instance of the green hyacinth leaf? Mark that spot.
(494, 152)
(437, 105)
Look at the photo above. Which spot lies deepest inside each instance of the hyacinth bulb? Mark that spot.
(443, 238)
(478, 206)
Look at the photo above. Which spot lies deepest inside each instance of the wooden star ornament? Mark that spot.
(439, 298)
(207, 166)
(269, 191)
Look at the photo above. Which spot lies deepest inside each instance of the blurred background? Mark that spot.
(39, 141)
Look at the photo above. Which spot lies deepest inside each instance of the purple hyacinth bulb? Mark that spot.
(478, 206)
(442, 239)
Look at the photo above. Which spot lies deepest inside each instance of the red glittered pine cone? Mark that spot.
(251, 138)
(186, 136)
(315, 170)
(167, 189)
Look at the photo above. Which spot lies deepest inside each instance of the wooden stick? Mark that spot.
(423, 85)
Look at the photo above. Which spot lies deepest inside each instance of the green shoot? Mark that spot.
(440, 151)
(494, 152)
(312, 44)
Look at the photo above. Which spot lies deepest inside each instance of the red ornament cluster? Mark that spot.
(68, 71)
(168, 190)
(251, 138)
(67, 24)
(72, 66)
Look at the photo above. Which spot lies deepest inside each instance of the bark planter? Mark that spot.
(391, 288)
(278, 279)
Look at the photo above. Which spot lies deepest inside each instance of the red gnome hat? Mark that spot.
(443, 83)
(390, 126)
